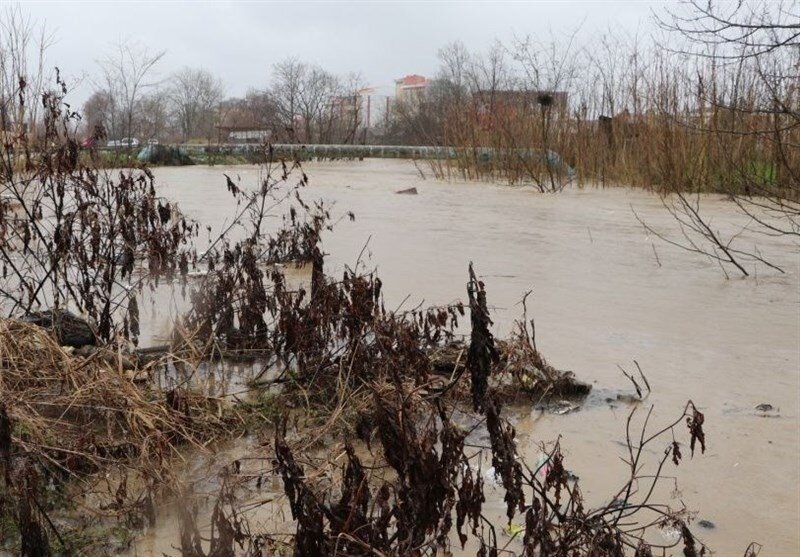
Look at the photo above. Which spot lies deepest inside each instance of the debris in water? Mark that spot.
(562, 407)
(765, 410)
(671, 533)
(542, 465)
(514, 529)
(408, 191)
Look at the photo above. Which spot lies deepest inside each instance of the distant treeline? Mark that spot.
(710, 104)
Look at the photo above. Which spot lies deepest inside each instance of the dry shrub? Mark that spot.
(406, 512)
(66, 403)
(423, 472)
(71, 421)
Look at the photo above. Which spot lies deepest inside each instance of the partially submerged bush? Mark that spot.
(422, 470)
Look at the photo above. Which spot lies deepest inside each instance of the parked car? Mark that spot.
(126, 142)
(152, 141)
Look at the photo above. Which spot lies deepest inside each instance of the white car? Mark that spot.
(126, 142)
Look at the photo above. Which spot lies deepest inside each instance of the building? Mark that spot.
(356, 107)
(410, 88)
(239, 122)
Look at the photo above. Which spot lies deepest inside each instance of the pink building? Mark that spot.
(410, 87)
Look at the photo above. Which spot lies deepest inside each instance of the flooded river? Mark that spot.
(604, 293)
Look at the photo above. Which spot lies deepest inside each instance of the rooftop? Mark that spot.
(412, 80)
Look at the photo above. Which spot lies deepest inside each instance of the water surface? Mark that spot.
(604, 293)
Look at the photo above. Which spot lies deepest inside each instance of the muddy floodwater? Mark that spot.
(604, 294)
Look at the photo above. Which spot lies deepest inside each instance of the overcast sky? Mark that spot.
(240, 41)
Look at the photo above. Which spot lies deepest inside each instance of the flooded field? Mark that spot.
(604, 294)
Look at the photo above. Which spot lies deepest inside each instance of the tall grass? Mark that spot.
(637, 115)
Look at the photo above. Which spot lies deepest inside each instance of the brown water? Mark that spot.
(600, 299)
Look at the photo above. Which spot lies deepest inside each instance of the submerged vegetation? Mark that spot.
(382, 432)
(710, 106)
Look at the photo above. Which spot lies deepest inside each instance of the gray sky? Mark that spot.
(239, 41)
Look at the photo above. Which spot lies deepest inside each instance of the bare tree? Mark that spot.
(355, 121)
(733, 29)
(195, 95)
(489, 74)
(548, 68)
(305, 97)
(455, 62)
(153, 115)
(343, 115)
(98, 112)
(255, 112)
(316, 96)
(287, 85)
(753, 50)
(23, 44)
(436, 114)
(127, 75)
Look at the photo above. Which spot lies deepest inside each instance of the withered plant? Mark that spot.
(425, 474)
(76, 238)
